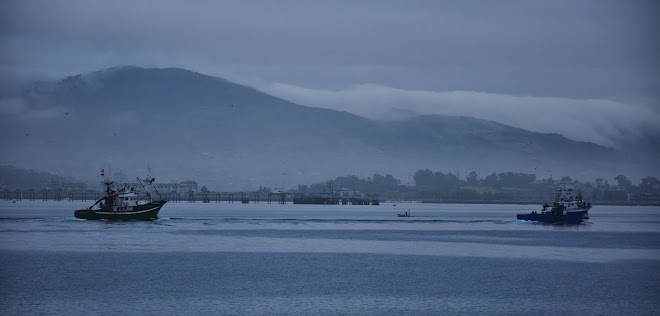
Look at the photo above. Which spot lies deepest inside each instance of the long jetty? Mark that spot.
(215, 197)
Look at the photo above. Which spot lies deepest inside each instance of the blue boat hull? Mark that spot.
(575, 217)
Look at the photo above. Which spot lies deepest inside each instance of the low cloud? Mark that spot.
(12, 107)
(604, 122)
(123, 117)
(46, 114)
(18, 108)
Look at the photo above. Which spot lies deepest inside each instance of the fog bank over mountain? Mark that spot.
(605, 122)
(187, 125)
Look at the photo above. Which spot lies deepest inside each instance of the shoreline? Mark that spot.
(616, 203)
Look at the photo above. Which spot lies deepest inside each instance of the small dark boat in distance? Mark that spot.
(565, 210)
(122, 204)
(405, 214)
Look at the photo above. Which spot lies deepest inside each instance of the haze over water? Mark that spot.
(221, 258)
(240, 95)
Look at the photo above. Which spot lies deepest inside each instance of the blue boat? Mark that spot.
(567, 209)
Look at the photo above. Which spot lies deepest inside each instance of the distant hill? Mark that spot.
(12, 178)
(229, 136)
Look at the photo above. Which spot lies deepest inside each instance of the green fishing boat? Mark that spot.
(123, 204)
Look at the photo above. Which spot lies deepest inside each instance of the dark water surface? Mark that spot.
(262, 259)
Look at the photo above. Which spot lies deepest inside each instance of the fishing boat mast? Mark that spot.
(149, 180)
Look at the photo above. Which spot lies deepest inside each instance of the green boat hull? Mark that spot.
(144, 212)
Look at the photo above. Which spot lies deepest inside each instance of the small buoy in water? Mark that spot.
(393, 204)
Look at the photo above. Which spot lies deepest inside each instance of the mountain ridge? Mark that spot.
(189, 124)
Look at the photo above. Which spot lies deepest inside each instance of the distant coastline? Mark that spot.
(425, 186)
(621, 203)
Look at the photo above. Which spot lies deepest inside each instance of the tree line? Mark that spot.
(504, 186)
(428, 185)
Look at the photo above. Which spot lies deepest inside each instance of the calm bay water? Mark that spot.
(263, 259)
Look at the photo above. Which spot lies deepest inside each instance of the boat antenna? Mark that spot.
(149, 180)
(107, 182)
(143, 188)
(153, 186)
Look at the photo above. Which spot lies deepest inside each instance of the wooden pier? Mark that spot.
(321, 200)
(211, 197)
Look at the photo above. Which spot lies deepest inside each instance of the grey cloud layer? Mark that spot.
(601, 121)
(503, 60)
(510, 35)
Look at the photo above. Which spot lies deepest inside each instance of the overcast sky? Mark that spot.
(524, 63)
